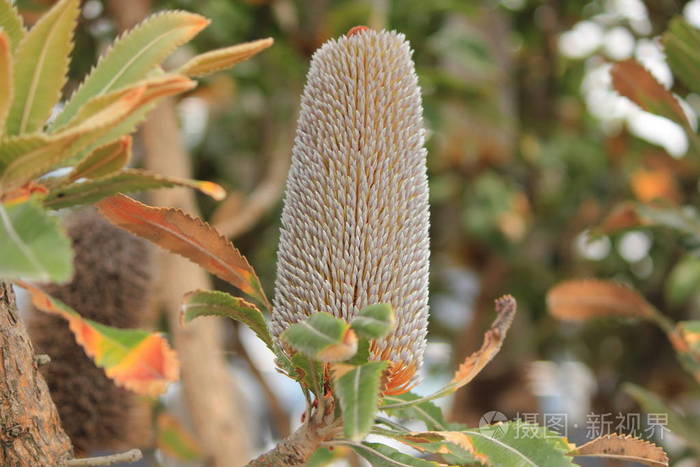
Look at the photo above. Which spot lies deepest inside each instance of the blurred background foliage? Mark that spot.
(529, 149)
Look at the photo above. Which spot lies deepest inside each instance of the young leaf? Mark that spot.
(374, 321)
(680, 424)
(626, 448)
(214, 303)
(5, 78)
(32, 244)
(132, 56)
(220, 59)
(41, 64)
(379, 455)
(426, 411)
(104, 160)
(11, 24)
(190, 237)
(125, 181)
(636, 83)
(358, 392)
(681, 43)
(175, 441)
(136, 360)
(323, 337)
(582, 299)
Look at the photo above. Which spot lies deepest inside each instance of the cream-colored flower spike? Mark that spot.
(355, 220)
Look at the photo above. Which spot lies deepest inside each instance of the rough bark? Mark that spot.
(30, 429)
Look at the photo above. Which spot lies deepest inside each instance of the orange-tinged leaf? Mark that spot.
(627, 448)
(185, 235)
(581, 299)
(137, 360)
(175, 441)
(104, 160)
(636, 83)
(493, 340)
(623, 216)
(23, 193)
(220, 59)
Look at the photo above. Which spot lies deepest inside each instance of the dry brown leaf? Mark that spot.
(636, 83)
(506, 307)
(623, 447)
(623, 216)
(582, 299)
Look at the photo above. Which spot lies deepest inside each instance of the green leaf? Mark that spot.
(5, 78)
(380, 455)
(374, 321)
(214, 303)
(358, 391)
(686, 342)
(321, 457)
(175, 441)
(41, 64)
(104, 160)
(517, 443)
(683, 280)
(362, 354)
(128, 180)
(220, 59)
(309, 372)
(682, 46)
(680, 424)
(322, 337)
(32, 244)
(427, 412)
(133, 56)
(685, 220)
(11, 23)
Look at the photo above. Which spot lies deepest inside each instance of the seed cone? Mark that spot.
(355, 220)
(110, 286)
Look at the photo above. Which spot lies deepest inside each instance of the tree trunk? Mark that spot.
(30, 429)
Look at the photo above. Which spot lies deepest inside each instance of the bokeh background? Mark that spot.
(529, 149)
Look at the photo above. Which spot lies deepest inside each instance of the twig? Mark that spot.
(132, 455)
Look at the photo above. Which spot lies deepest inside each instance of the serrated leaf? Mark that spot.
(133, 55)
(521, 444)
(455, 447)
(681, 45)
(427, 412)
(636, 83)
(5, 78)
(358, 392)
(220, 59)
(214, 303)
(582, 299)
(680, 424)
(104, 160)
(323, 337)
(136, 360)
(626, 448)
(125, 181)
(11, 23)
(185, 235)
(40, 67)
(380, 455)
(33, 245)
(174, 441)
(23, 158)
(374, 321)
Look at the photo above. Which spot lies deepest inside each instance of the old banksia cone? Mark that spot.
(355, 220)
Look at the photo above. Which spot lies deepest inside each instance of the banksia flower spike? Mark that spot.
(355, 220)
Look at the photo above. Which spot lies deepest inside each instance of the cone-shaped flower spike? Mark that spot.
(355, 220)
